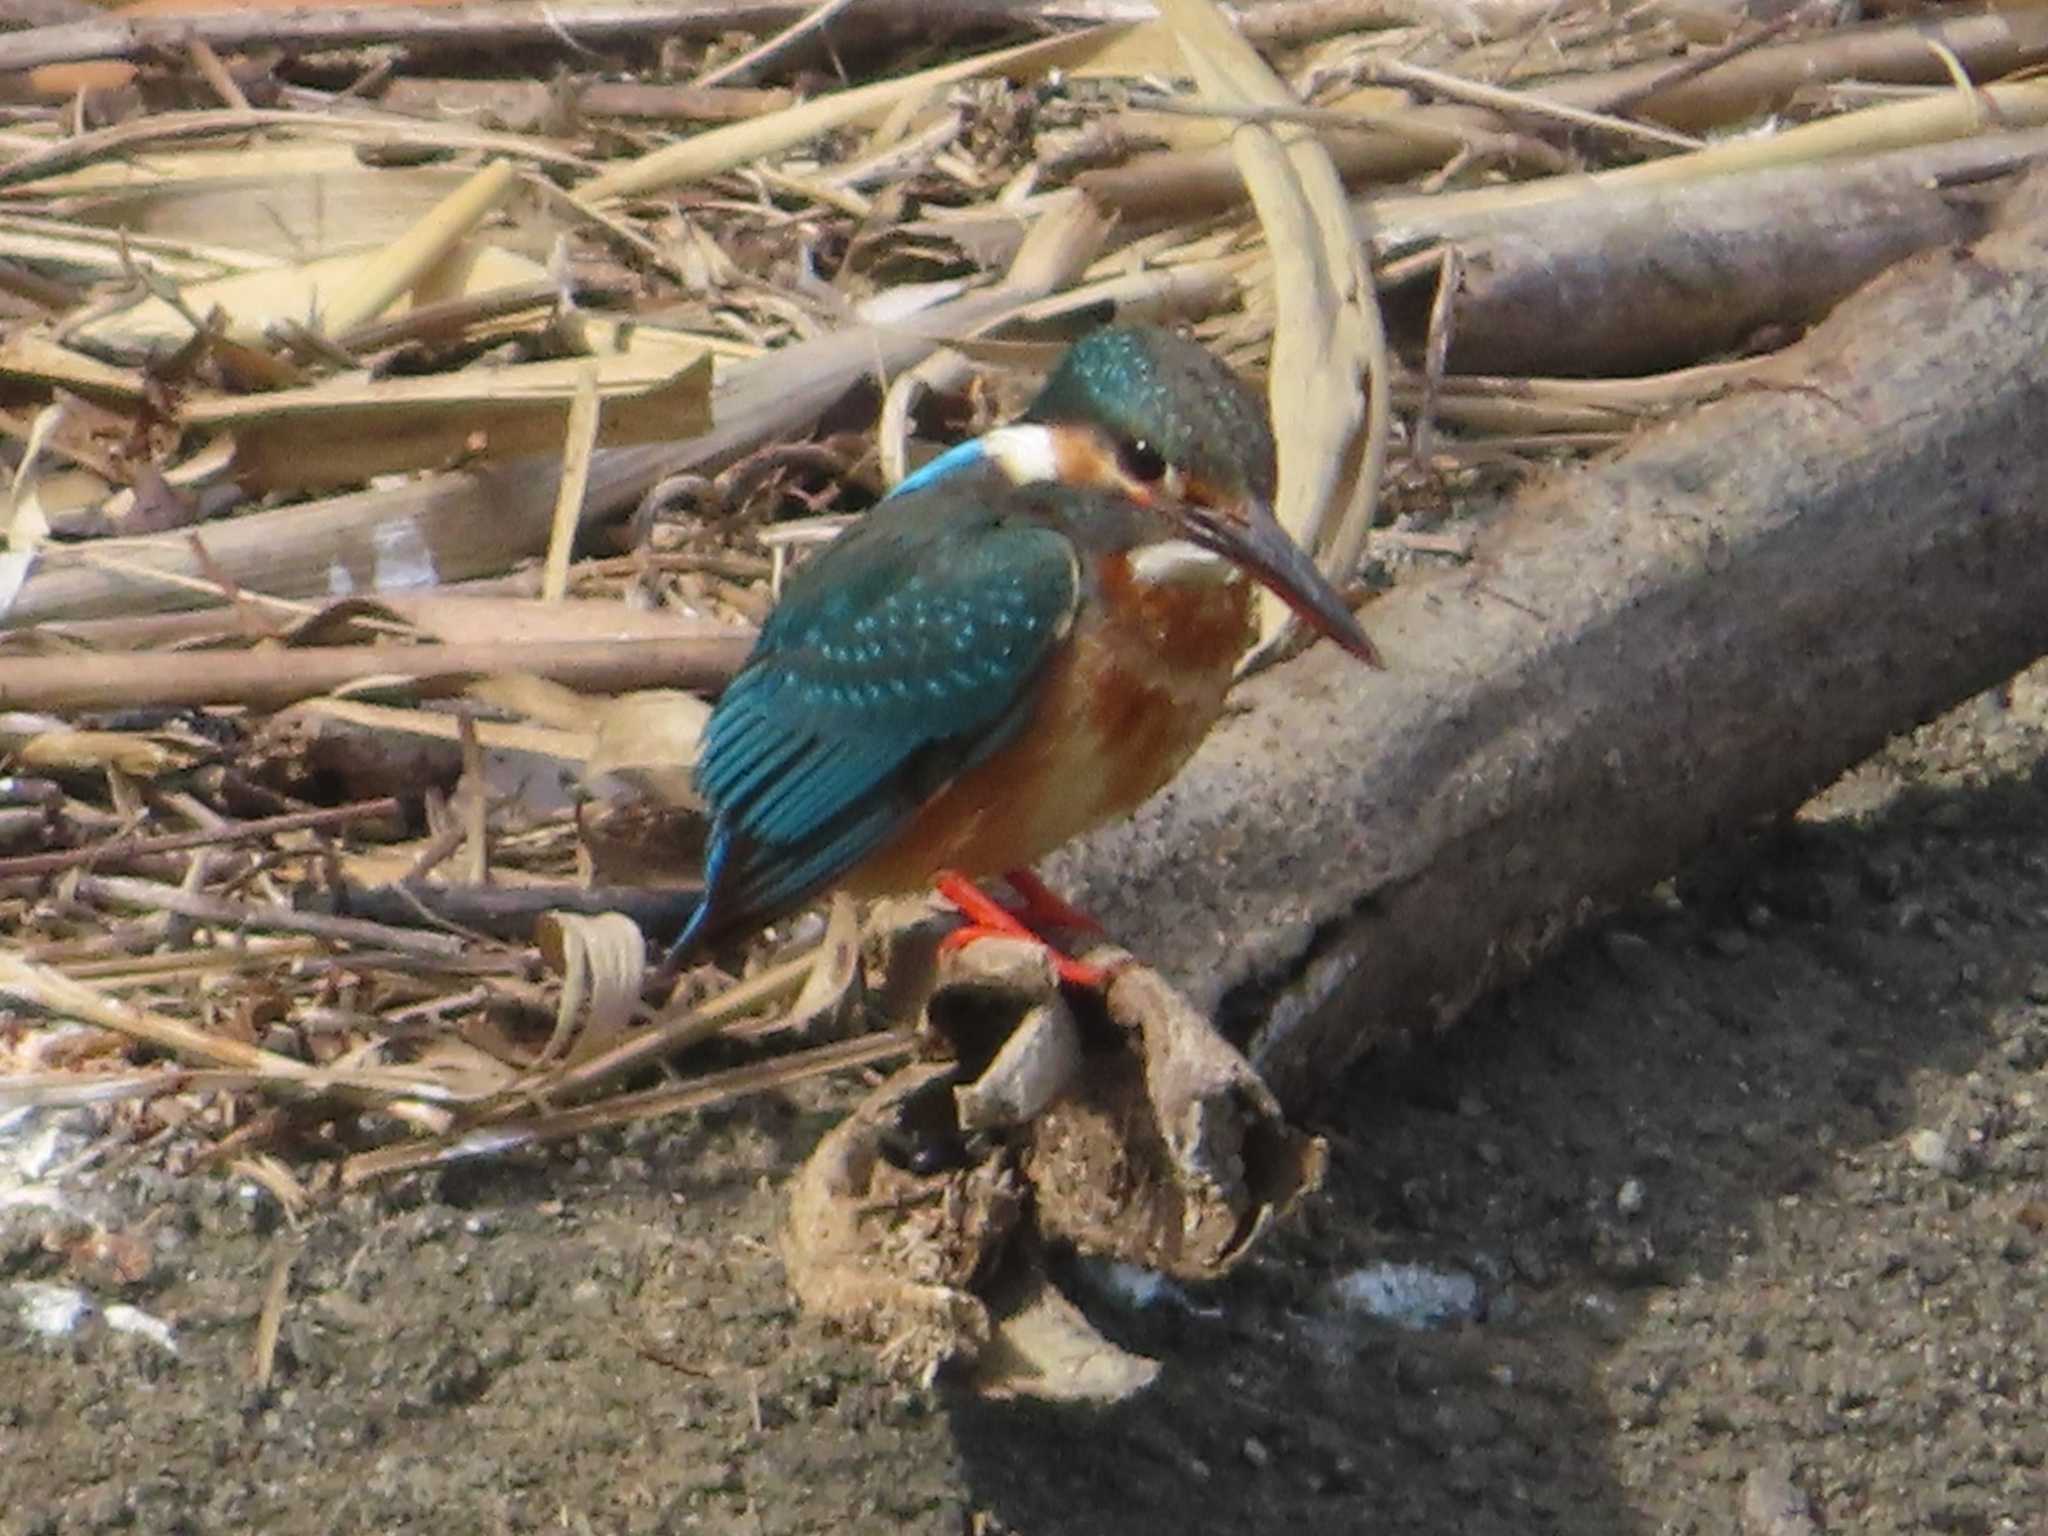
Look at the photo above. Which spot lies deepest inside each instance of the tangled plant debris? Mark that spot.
(400, 451)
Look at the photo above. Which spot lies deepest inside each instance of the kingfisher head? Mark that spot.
(1165, 423)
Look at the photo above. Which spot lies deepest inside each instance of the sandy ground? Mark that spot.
(1749, 1184)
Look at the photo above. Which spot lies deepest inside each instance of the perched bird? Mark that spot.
(1026, 639)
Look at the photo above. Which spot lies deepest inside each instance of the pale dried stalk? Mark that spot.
(1331, 368)
(272, 679)
(580, 443)
(399, 265)
(40, 986)
(1873, 130)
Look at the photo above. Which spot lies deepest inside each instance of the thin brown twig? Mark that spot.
(208, 63)
(85, 148)
(712, 1088)
(1399, 124)
(117, 890)
(507, 23)
(766, 49)
(111, 849)
(1527, 103)
(1693, 67)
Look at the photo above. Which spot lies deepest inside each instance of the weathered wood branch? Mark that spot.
(1652, 278)
(596, 23)
(1643, 657)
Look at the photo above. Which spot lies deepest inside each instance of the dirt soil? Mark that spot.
(1753, 1181)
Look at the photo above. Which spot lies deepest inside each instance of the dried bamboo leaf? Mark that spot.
(283, 201)
(133, 753)
(601, 960)
(252, 302)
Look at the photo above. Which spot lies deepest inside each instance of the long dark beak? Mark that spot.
(1251, 537)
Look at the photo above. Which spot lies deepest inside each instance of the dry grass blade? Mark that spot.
(499, 1137)
(581, 435)
(40, 986)
(270, 1320)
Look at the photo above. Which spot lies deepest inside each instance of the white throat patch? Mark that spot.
(1180, 563)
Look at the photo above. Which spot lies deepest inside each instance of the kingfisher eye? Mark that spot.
(1141, 461)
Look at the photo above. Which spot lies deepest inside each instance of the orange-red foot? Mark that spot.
(988, 918)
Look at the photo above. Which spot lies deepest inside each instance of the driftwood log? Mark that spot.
(1644, 656)
(1648, 278)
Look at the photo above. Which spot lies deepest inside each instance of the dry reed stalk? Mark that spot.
(273, 678)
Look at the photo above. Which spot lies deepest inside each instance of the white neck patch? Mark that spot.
(1026, 453)
(1180, 563)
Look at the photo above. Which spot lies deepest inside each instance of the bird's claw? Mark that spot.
(988, 918)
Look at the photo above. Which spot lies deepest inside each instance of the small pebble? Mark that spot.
(1773, 1506)
(1409, 1295)
(1629, 1198)
(1256, 1453)
(1932, 1149)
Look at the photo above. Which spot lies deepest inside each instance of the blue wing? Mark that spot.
(898, 656)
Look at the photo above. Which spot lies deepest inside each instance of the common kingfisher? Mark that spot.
(1028, 637)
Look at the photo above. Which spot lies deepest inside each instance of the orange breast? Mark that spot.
(1128, 697)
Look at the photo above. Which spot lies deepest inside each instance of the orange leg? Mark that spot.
(988, 918)
(1044, 907)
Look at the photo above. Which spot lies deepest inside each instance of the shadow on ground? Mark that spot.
(1748, 1178)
